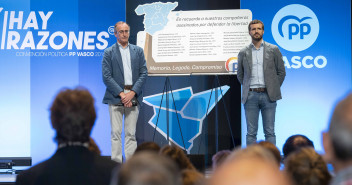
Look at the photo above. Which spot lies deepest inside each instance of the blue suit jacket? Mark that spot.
(274, 70)
(113, 75)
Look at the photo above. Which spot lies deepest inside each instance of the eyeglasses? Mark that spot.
(124, 31)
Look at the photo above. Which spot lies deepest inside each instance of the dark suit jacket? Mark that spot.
(274, 70)
(74, 165)
(113, 75)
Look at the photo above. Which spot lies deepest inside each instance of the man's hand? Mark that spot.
(129, 104)
(122, 95)
(127, 97)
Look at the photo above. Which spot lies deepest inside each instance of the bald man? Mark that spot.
(251, 166)
(338, 142)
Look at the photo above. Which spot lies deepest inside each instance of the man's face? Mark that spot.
(122, 34)
(256, 32)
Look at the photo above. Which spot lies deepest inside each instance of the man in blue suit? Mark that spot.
(124, 73)
(261, 72)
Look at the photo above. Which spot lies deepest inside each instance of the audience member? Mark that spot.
(338, 142)
(255, 151)
(273, 149)
(72, 115)
(147, 146)
(253, 165)
(177, 155)
(192, 177)
(306, 167)
(295, 142)
(148, 168)
(219, 158)
(93, 147)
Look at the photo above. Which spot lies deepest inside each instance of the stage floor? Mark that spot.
(7, 179)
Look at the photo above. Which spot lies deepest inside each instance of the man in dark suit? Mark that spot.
(72, 116)
(261, 72)
(124, 73)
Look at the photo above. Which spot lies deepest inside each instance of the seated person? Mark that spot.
(148, 168)
(306, 167)
(178, 156)
(147, 146)
(72, 115)
(295, 142)
(219, 158)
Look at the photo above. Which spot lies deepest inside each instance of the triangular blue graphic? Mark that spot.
(191, 111)
(181, 95)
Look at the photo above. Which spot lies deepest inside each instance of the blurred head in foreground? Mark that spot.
(338, 141)
(178, 156)
(192, 177)
(219, 158)
(148, 146)
(306, 167)
(149, 168)
(273, 149)
(253, 165)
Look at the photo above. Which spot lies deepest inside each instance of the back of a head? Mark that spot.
(177, 155)
(306, 167)
(149, 168)
(73, 115)
(340, 129)
(252, 151)
(251, 166)
(192, 177)
(93, 147)
(219, 158)
(294, 143)
(147, 146)
(273, 149)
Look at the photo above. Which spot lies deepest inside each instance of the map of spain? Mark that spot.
(155, 15)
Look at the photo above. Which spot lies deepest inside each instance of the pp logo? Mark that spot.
(231, 65)
(295, 27)
(111, 30)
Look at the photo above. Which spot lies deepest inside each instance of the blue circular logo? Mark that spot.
(295, 27)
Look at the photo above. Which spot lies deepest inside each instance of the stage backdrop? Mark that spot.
(315, 41)
(192, 42)
(44, 46)
(192, 92)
